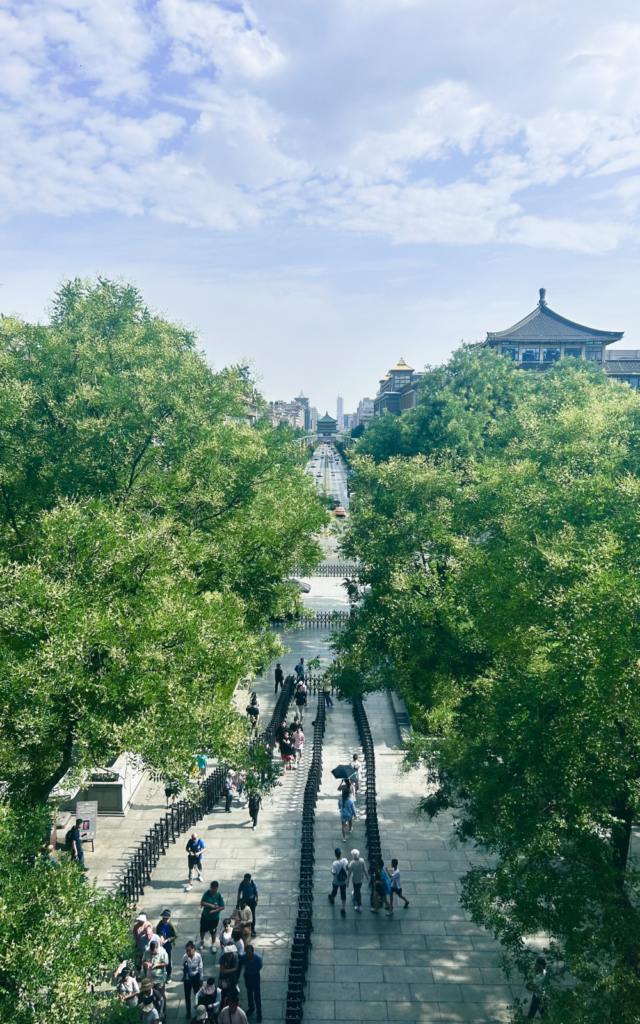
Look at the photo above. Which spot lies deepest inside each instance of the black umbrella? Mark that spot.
(343, 771)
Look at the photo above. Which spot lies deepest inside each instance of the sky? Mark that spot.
(323, 187)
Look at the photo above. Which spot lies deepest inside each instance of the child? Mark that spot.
(396, 884)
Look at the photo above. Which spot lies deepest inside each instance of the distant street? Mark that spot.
(328, 470)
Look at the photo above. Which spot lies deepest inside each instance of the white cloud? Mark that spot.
(365, 118)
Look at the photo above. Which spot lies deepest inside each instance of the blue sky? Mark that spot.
(323, 187)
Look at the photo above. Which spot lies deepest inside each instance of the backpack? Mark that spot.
(69, 836)
(342, 875)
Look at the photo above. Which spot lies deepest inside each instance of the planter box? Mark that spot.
(114, 798)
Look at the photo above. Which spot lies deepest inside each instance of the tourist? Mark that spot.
(537, 987)
(356, 769)
(248, 893)
(326, 692)
(154, 964)
(151, 1003)
(77, 851)
(255, 805)
(339, 876)
(149, 937)
(212, 904)
(381, 889)
(194, 848)
(227, 788)
(295, 724)
(252, 966)
(279, 677)
(232, 1014)
(280, 731)
(210, 996)
(168, 935)
(201, 1014)
(300, 700)
(229, 964)
(357, 874)
(243, 919)
(253, 713)
(226, 935)
(299, 669)
(298, 743)
(128, 988)
(171, 790)
(347, 808)
(396, 884)
(140, 931)
(191, 974)
(286, 753)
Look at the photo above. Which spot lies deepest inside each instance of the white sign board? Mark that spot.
(88, 811)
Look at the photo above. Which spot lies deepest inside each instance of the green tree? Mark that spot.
(504, 603)
(58, 935)
(146, 533)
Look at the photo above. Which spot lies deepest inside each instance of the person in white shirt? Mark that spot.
(396, 885)
(339, 876)
(356, 769)
(232, 1014)
(357, 873)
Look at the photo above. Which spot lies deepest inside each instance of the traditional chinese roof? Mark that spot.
(327, 420)
(401, 366)
(543, 325)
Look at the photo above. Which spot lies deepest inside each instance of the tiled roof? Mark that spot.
(544, 325)
(327, 419)
(618, 367)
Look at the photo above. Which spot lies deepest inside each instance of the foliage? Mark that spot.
(504, 601)
(58, 935)
(143, 544)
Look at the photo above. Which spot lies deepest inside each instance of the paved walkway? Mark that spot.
(427, 963)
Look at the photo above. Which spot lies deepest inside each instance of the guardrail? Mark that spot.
(301, 945)
(372, 830)
(343, 569)
(336, 619)
(184, 814)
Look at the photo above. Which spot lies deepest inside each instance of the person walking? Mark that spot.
(326, 692)
(168, 935)
(154, 964)
(128, 988)
(140, 931)
(339, 876)
(227, 788)
(191, 974)
(211, 905)
(248, 891)
(229, 964)
(255, 805)
(232, 1013)
(356, 769)
(357, 874)
(298, 743)
(537, 988)
(286, 753)
(77, 851)
(381, 889)
(279, 677)
(347, 808)
(253, 713)
(252, 964)
(151, 1003)
(210, 996)
(242, 919)
(194, 848)
(396, 885)
(300, 701)
(280, 731)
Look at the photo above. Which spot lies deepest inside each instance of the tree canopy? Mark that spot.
(143, 539)
(501, 565)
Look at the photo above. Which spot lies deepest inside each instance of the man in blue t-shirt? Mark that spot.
(194, 849)
(76, 843)
(252, 964)
(248, 891)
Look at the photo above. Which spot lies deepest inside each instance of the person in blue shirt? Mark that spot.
(194, 849)
(248, 891)
(76, 843)
(252, 964)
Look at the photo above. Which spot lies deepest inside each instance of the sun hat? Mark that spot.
(201, 1012)
(355, 853)
(141, 917)
(166, 913)
(146, 985)
(231, 948)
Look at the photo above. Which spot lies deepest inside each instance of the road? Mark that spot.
(328, 470)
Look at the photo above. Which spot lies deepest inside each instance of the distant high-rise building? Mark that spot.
(313, 418)
(364, 412)
(340, 411)
(304, 402)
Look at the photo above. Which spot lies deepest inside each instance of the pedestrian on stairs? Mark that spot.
(211, 906)
(194, 848)
(279, 677)
(357, 873)
(347, 808)
(339, 875)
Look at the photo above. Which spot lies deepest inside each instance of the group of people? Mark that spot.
(290, 740)
(385, 884)
(215, 1000)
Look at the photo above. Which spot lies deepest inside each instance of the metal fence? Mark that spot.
(336, 620)
(301, 944)
(343, 569)
(184, 814)
(374, 848)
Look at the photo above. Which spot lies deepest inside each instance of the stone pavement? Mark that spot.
(427, 963)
